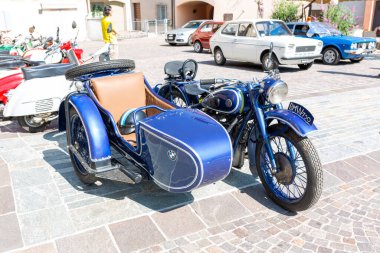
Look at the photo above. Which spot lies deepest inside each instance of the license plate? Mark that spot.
(302, 112)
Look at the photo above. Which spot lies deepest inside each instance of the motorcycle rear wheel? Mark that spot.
(28, 124)
(80, 143)
(298, 184)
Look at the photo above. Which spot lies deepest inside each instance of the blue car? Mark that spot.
(335, 45)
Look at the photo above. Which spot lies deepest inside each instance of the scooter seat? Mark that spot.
(9, 57)
(17, 63)
(47, 70)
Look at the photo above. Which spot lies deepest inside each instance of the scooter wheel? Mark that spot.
(80, 72)
(28, 124)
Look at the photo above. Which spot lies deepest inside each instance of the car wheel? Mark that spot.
(267, 65)
(172, 44)
(219, 57)
(357, 60)
(330, 56)
(198, 48)
(305, 66)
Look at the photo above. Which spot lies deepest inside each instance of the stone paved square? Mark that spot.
(45, 208)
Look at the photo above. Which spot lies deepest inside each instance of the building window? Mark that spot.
(97, 9)
(162, 11)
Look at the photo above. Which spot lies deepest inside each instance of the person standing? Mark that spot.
(109, 33)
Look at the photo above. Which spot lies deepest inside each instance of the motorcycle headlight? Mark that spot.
(277, 92)
(354, 46)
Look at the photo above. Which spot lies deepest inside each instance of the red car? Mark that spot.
(201, 37)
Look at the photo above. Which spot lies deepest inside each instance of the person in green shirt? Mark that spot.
(109, 33)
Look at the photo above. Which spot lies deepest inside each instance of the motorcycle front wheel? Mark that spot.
(298, 183)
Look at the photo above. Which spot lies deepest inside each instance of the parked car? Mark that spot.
(249, 40)
(335, 45)
(182, 36)
(201, 37)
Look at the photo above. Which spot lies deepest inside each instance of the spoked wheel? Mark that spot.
(32, 123)
(298, 183)
(177, 98)
(80, 143)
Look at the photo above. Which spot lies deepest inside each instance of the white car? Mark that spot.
(249, 40)
(182, 36)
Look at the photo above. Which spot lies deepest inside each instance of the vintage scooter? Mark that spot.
(35, 102)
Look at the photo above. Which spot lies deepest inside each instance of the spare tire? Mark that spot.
(113, 66)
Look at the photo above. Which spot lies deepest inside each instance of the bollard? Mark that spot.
(156, 26)
(166, 25)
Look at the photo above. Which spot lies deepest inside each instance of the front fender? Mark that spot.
(93, 124)
(291, 119)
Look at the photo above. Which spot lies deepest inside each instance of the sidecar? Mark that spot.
(179, 149)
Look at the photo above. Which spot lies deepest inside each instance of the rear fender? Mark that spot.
(93, 124)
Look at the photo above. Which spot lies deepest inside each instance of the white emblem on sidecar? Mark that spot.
(172, 155)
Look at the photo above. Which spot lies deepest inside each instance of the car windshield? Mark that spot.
(323, 29)
(272, 28)
(192, 24)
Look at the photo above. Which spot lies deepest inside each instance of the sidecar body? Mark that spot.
(179, 149)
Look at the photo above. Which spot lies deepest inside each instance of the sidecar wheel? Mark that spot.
(298, 184)
(80, 143)
(121, 65)
(28, 124)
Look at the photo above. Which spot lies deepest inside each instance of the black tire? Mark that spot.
(357, 60)
(264, 62)
(172, 44)
(26, 122)
(305, 66)
(123, 65)
(312, 165)
(219, 57)
(238, 159)
(176, 98)
(80, 171)
(330, 56)
(198, 48)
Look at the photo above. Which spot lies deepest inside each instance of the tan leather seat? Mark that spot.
(120, 93)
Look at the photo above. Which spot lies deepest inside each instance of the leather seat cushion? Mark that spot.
(121, 93)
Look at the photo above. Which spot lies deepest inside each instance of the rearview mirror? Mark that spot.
(74, 24)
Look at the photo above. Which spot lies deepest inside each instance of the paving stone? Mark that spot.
(42, 225)
(219, 210)
(375, 155)
(22, 154)
(96, 240)
(37, 197)
(178, 222)
(43, 248)
(365, 164)
(6, 200)
(329, 180)
(4, 175)
(132, 234)
(30, 177)
(343, 171)
(10, 236)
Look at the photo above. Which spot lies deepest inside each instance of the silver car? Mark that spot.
(182, 36)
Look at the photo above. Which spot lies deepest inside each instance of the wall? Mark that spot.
(46, 22)
(149, 8)
(192, 11)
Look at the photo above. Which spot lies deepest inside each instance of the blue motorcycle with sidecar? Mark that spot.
(253, 115)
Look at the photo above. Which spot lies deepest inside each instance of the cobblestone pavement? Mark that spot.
(44, 208)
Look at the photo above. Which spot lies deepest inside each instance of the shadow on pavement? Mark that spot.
(347, 74)
(118, 187)
(248, 66)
